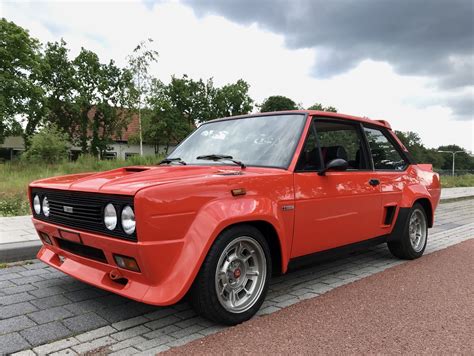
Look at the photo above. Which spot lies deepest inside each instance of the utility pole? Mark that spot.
(454, 156)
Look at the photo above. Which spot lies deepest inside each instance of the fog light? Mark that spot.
(45, 237)
(126, 263)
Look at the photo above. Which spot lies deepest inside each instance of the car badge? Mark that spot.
(68, 209)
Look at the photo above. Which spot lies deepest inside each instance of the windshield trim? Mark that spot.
(243, 117)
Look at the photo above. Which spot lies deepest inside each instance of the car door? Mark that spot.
(390, 164)
(338, 208)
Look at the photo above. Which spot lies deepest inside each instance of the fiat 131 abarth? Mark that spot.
(239, 200)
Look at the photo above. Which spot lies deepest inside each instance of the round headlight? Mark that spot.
(37, 204)
(45, 206)
(110, 217)
(128, 220)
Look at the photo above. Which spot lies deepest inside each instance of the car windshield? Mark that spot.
(268, 141)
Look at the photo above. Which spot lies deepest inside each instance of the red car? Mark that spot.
(240, 199)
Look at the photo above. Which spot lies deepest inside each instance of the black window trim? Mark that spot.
(367, 152)
(394, 143)
(360, 131)
(313, 130)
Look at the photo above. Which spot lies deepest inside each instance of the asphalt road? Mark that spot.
(422, 307)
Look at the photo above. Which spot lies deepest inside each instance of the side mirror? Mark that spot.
(337, 164)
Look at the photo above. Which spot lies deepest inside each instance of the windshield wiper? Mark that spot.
(171, 160)
(215, 157)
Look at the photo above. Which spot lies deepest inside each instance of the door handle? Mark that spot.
(374, 182)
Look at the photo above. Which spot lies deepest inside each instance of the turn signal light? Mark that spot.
(237, 192)
(45, 237)
(126, 263)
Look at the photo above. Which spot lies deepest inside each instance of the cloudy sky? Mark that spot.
(410, 62)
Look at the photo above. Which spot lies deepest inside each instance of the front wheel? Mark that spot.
(233, 280)
(412, 243)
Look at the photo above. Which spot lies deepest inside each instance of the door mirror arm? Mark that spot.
(337, 164)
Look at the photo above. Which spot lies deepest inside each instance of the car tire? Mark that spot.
(233, 280)
(412, 243)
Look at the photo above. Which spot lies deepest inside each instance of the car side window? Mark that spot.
(384, 154)
(309, 158)
(341, 140)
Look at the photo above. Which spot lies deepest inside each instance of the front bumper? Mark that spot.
(154, 284)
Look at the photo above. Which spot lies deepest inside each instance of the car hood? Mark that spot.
(129, 180)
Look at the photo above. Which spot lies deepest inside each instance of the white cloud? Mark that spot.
(215, 47)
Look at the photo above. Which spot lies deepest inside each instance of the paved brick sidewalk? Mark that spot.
(453, 193)
(39, 304)
(17, 229)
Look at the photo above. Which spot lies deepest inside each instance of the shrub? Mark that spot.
(50, 145)
(14, 205)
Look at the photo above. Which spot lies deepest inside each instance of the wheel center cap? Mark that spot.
(237, 273)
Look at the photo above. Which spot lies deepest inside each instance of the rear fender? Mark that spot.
(411, 194)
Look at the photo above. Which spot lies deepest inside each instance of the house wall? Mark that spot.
(124, 149)
(13, 146)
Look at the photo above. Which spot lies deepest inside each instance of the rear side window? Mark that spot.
(384, 154)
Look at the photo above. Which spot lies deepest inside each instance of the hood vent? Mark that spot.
(135, 169)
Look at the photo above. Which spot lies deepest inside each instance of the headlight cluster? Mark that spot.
(127, 218)
(39, 206)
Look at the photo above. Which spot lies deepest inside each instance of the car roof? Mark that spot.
(312, 113)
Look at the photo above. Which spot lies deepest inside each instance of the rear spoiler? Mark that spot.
(385, 123)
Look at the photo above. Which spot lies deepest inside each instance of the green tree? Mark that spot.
(19, 67)
(163, 123)
(59, 82)
(232, 99)
(174, 110)
(102, 92)
(110, 116)
(192, 99)
(463, 160)
(87, 68)
(320, 107)
(50, 145)
(412, 141)
(278, 103)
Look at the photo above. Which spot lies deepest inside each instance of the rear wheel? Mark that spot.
(413, 241)
(233, 280)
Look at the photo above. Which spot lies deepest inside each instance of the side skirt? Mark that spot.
(334, 253)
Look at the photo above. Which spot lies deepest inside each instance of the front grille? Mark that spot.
(82, 250)
(82, 210)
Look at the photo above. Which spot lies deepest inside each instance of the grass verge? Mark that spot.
(15, 177)
(466, 180)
